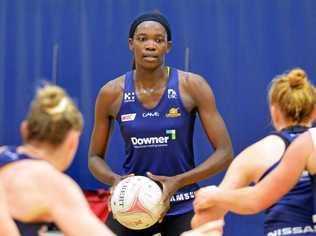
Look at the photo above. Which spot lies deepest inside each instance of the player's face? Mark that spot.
(149, 44)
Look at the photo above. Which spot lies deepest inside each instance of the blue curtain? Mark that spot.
(238, 46)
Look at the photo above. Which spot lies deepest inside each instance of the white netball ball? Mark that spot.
(135, 202)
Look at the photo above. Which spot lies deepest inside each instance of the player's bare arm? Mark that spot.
(106, 108)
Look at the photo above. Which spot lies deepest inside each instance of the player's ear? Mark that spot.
(314, 114)
(24, 130)
(169, 45)
(72, 140)
(276, 116)
(130, 44)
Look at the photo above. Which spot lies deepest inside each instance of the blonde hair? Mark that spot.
(52, 115)
(294, 94)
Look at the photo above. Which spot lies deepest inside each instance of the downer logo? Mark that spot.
(154, 141)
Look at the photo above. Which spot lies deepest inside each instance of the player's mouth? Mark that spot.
(150, 58)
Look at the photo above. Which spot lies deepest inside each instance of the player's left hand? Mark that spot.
(169, 186)
(204, 198)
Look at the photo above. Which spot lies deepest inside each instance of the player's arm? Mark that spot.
(7, 226)
(247, 167)
(239, 174)
(244, 169)
(204, 101)
(68, 207)
(106, 101)
(251, 200)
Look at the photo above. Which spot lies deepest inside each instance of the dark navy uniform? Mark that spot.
(292, 215)
(159, 140)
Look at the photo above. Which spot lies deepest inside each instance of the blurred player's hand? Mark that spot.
(207, 215)
(205, 198)
(213, 228)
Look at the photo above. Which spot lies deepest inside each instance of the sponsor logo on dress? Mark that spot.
(306, 229)
(129, 97)
(173, 112)
(128, 117)
(182, 197)
(172, 94)
(154, 141)
(172, 133)
(151, 114)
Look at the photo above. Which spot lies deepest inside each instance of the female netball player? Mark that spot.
(36, 190)
(300, 156)
(155, 107)
(292, 100)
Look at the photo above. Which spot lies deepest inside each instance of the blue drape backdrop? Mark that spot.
(238, 46)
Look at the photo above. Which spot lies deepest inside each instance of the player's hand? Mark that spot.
(207, 215)
(213, 228)
(118, 179)
(169, 186)
(205, 198)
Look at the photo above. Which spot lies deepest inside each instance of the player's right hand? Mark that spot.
(118, 179)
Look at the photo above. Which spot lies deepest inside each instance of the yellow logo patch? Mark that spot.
(173, 112)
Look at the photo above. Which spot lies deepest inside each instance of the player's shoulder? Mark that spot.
(272, 139)
(194, 85)
(38, 169)
(270, 145)
(47, 176)
(190, 77)
(29, 173)
(113, 87)
(311, 132)
(192, 81)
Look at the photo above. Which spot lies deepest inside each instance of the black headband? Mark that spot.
(150, 17)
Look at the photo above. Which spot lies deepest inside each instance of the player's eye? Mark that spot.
(140, 38)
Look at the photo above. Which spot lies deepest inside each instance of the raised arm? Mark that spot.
(251, 200)
(238, 175)
(247, 167)
(106, 107)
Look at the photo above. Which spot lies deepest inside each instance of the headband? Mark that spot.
(150, 17)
